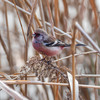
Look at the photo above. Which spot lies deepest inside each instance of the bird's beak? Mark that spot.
(33, 35)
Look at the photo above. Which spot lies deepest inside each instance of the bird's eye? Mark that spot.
(38, 34)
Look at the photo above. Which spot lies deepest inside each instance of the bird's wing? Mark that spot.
(52, 42)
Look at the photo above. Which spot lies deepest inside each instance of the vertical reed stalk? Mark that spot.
(73, 61)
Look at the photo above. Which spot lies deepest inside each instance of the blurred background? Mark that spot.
(13, 35)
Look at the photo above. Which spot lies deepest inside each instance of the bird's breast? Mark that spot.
(49, 51)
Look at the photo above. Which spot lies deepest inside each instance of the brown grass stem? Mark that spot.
(50, 16)
(8, 38)
(87, 37)
(56, 13)
(73, 62)
(46, 83)
(32, 14)
(12, 92)
(96, 80)
(19, 21)
(32, 76)
(93, 5)
(42, 14)
(83, 53)
(5, 48)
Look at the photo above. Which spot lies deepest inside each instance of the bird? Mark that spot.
(47, 44)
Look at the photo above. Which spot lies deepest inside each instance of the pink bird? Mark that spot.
(48, 45)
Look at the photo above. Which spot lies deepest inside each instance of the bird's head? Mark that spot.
(39, 34)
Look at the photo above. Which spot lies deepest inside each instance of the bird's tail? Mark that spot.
(80, 45)
(68, 45)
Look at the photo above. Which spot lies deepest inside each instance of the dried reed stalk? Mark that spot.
(73, 61)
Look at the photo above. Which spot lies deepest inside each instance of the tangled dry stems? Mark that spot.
(44, 68)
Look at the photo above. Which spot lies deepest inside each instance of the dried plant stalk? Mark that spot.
(19, 21)
(73, 61)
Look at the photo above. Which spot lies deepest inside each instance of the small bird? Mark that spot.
(48, 45)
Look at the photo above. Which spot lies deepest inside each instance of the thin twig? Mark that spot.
(46, 83)
(26, 17)
(26, 85)
(92, 2)
(56, 23)
(58, 64)
(27, 2)
(42, 14)
(19, 8)
(5, 48)
(32, 14)
(12, 92)
(20, 21)
(32, 76)
(8, 37)
(36, 18)
(87, 37)
(96, 80)
(56, 13)
(88, 76)
(51, 19)
(83, 53)
(73, 61)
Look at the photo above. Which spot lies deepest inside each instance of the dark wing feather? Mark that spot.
(51, 42)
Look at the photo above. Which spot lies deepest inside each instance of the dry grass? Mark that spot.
(22, 68)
